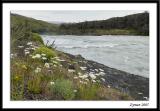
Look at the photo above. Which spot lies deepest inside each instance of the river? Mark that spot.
(126, 53)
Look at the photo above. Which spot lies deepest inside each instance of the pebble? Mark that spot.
(145, 98)
(140, 93)
(101, 70)
(103, 79)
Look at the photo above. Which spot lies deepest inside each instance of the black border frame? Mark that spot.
(157, 2)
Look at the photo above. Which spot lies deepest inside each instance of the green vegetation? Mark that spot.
(36, 26)
(44, 50)
(63, 88)
(88, 92)
(37, 38)
(135, 24)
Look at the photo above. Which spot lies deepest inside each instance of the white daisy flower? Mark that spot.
(29, 43)
(75, 90)
(38, 56)
(79, 73)
(43, 54)
(20, 46)
(75, 77)
(92, 76)
(26, 53)
(71, 70)
(83, 76)
(55, 62)
(83, 68)
(52, 83)
(44, 58)
(55, 65)
(46, 65)
(38, 70)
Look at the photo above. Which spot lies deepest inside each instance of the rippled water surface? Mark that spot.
(127, 53)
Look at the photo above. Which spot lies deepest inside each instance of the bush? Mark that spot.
(44, 50)
(63, 89)
(37, 38)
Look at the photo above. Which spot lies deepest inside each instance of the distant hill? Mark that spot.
(55, 22)
(37, 26)
(135, 24)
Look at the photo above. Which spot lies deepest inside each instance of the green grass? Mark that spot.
(63, 89)
(88, 92)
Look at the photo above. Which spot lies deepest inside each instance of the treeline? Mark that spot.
(135, 24)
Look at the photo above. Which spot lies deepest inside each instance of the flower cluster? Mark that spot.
(38, 70)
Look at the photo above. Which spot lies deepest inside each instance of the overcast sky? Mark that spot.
(75, 16)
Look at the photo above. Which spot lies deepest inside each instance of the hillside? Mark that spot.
(135, 24)
(36, 26)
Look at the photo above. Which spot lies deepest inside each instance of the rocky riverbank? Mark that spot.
(40, 72)
(134, 85)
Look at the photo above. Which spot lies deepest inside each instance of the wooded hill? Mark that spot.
(135, 24)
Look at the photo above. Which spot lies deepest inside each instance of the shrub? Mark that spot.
(37, 38)
(44, 50)
(63, 89)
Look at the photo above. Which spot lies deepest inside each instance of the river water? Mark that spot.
(126, 53)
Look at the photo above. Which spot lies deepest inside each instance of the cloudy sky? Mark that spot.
(75, 16)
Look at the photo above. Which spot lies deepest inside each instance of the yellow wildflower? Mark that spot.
(24, 67)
